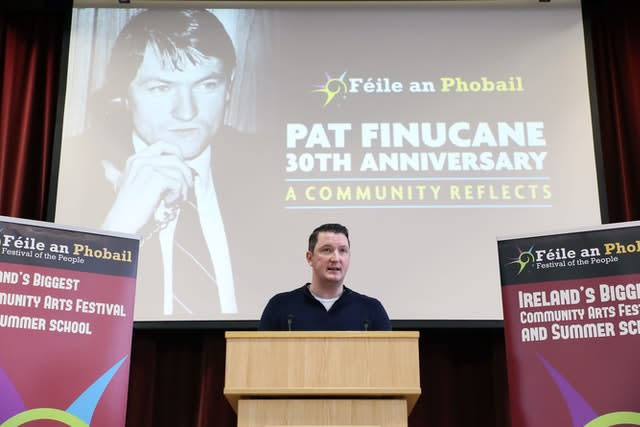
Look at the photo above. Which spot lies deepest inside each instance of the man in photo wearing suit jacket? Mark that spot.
(162, 107)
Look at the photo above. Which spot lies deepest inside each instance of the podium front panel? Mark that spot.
(322, 412)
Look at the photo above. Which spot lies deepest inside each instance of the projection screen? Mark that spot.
(428, 129)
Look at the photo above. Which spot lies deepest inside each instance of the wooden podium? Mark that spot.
(279, 379)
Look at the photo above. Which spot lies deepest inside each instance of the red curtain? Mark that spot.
(30, 51)
(616, 52)
(177, 376)
(176, 379)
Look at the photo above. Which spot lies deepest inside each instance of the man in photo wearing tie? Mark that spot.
(167, 86)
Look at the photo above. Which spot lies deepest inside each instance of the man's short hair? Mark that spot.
(327, 228)
(179, 36)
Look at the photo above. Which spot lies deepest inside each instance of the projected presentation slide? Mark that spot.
(224, 137)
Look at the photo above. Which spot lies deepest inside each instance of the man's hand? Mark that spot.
(157, 173)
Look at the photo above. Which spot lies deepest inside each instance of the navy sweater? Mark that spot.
(298, 310)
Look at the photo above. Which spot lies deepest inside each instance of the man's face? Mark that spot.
(330, 258)
(182, 107)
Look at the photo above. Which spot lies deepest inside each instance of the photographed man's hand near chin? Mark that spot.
(155, 174)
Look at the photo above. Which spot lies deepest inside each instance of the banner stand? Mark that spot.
(66, 323)
(571, 305)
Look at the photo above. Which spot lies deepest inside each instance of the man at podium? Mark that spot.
(325, 304)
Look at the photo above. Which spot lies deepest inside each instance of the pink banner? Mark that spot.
(571, 307)
(66, 319)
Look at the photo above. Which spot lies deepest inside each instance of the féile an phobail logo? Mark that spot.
(334, 88)
(523, 259)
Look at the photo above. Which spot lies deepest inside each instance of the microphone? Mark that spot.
(365, 324)
(290, 321)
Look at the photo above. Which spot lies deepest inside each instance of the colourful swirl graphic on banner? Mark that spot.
(582, 415)
(13, 412)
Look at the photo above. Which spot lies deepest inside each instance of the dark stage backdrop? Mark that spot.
(177, 375)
